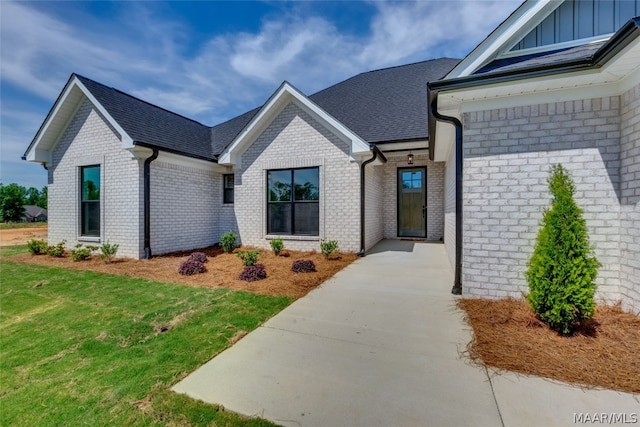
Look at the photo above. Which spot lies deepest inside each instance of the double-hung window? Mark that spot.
(90, 201)
(228, 188)
(293, 201)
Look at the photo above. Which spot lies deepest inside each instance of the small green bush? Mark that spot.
(329, 248)
(248, 258)
(58, 250)
(229, 241)
(81, 253)
(277, 245)
(108, 252)
(37, 247)
(562, 268)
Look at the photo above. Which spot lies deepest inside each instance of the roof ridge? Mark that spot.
(142, 100)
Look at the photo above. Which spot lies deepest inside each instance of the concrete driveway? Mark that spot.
(379, 345)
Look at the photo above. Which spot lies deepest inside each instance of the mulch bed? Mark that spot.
(222, 269)
(508, 336)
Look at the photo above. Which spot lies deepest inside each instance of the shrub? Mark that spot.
(80, 253)
(277, 245)
(37, 247)
(562, 268)
(329, 248)
(198, 256)
(108, 252)
(191, 267)
(229, 241)
(251, 273)
(248, 258)
(303, 266)
(57, 250)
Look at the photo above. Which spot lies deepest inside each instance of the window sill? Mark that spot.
(89, 239)
(292, 237)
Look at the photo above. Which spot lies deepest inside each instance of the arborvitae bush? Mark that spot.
(248, 257)
(562, 268)
(198, 256)
(277, 245)
(303, 266)
(191, 267)
(254, 272)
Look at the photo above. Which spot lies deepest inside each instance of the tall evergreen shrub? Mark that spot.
(562, 268)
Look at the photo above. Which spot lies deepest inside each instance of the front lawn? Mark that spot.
(84, 348)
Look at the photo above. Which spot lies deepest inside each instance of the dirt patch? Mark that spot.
(508, 336)
(222, 269)
(20, 236)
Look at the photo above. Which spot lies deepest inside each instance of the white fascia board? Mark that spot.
(521, 21)
(37, 153)
(284, 95)
(127, 141)
(404, 146)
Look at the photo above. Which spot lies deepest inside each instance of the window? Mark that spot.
(292, 201)
(90, 201)
(228, 188)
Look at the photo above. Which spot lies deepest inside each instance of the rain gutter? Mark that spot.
(376, 153)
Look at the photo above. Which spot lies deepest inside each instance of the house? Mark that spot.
(463, 159)
(333, 165)
(34, 213)
(557, 82)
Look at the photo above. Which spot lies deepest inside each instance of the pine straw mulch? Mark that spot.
(605, 352)
(222, 269)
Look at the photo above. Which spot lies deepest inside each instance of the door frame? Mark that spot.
(398, 180)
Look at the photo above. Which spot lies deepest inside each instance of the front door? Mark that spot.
(412, 221)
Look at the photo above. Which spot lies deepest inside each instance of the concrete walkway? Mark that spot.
(379, 345)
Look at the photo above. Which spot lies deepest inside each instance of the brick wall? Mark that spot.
(374, 203)
(630, 200)
(293, 140)
(435, 195)
(507, 156)
(89, 140)
(185, 206)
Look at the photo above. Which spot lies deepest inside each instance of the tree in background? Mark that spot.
(13, 197)
(562, 269)
(11, 202)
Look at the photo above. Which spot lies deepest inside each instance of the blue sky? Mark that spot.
(211, 61)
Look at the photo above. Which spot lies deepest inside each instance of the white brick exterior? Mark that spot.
(630, 200)
(507, 156)
(294, 140)
(185, 206)
(450, 206)
(89, 140)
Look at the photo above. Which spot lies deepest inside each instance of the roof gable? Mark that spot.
(285, 95)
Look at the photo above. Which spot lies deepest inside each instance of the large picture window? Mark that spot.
(293, 201)
(90, 201)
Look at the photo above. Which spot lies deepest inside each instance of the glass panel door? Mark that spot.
(412, 220)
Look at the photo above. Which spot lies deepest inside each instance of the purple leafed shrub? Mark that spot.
(198, 256)
(254, 272)
(191, 267)
(303, 266)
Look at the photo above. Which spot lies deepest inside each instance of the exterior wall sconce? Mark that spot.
(410, 159)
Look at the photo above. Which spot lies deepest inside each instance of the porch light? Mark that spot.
(410, 159)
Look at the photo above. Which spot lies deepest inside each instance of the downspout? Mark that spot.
(376, 152)
(147, 203)
(433, 97)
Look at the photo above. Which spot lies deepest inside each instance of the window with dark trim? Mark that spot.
(90, 201)
(293, 201)
(228, 183)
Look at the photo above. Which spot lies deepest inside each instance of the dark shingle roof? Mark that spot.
(34, 211)
(150, 125)
(548, 58)
(385, 105)
(380, 106)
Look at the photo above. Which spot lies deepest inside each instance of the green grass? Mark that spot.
(13, 250)
(81, 348)
(10, 225)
